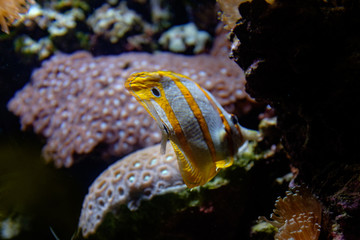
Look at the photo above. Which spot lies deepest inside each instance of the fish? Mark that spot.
(205, 137)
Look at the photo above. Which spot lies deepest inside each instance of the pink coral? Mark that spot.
(78, 102)
(139, 176)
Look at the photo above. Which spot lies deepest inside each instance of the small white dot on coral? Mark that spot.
(131, 106)
(111, 92)
(116, 102)
(118, 87)
(146, 178)
(131, 179)
(123, 113)
(156, 135)
(137, 164)
(117, 175)
(202, 74)
(122, 134)
(92, 65)
(123, 97)
(103, 126)
(164, 172)
(153, 161)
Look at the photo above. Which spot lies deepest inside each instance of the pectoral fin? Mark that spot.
(164, 139)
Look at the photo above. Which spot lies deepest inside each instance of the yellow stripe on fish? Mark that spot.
(204, 136)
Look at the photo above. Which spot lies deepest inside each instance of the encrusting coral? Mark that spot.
(297, 216)
(79, 102)
(10, 10)
(185, 38)
(140, 175)
(230, 13)
(114, 23)
(55, 22)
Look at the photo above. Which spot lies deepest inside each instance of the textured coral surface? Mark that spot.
(79, 102)
(140, 175)
(297, 215)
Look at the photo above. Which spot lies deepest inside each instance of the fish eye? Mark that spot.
(155, 92)
(234, 119)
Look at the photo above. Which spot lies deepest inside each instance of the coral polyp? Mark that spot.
(10, 10)
(297, 215)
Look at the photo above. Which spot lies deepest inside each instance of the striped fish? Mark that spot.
(204, 136)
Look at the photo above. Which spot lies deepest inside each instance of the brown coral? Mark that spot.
(297, 216)
(140, 175)
(10, 10)
(78, 102)
(230, 13)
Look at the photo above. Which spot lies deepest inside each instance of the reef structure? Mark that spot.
(302, 58)
(114, 23)
(139, 176)
(143, 195)
(185, 38)
(78, 102)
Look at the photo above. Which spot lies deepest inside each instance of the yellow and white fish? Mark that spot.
(204, 136)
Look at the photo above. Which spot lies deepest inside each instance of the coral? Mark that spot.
(229, 12)
(54, 26)
(297, 216)
(56, 23)
(302, 58)
(139, 176)
(184, 38)
(236, 192)
(160, 13)
(78, 102)
(263, 230)
(10, 228)
(28, 47)
(115, 23)
(10, 10)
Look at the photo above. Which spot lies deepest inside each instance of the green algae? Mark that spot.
(263, 231)
(69, 4)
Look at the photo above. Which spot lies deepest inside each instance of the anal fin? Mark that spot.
(225, 163)
(191, 174)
